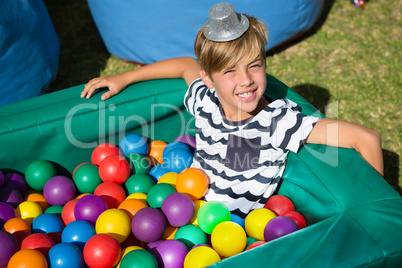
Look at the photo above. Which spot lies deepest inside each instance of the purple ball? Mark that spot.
(16, 182)
(59, 190)
(148, 224)
(178, 209)
(279, 226)
(8, 246)
(1, 178)
(171, 253)
(10, 196)
(187, 139)
(6, 212)
(89, 207)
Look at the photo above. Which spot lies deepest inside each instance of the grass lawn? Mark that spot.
(348, 66)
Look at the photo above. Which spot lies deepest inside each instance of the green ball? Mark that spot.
(38, 173)
(86, 178)
(54, 210)
(191, 235)
(139, 164)
(158, 193)
(211, 214)
(250, 240)
(138, 258)
(139, 183)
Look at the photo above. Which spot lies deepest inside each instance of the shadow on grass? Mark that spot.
(82, 52)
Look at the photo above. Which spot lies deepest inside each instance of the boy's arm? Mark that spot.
(348, 135)
(185, 67)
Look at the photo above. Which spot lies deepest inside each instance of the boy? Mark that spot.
(242, 138)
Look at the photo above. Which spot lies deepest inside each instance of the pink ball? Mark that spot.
(59, 190)
(178, 208)
(148, 224)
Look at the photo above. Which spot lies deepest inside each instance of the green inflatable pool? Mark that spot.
(354, 216)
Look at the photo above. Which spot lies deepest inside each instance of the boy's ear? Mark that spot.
(206, 79)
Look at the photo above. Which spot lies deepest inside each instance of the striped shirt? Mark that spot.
(244, 160)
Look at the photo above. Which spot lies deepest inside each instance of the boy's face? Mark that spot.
(239, 89)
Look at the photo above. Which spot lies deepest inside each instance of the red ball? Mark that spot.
(298, 218)
(102, 151)
(114, 168)
(41, 242)
(112, 192)
(279, 204)
(102, 250)
(67, 213)
(255, 244)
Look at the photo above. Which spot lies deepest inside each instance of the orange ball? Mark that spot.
(194, 182)
(27, 258)
(17, 224)
(131, 206)
(156, 150)
(38, 198)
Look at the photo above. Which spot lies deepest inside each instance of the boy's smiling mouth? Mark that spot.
(245, 96)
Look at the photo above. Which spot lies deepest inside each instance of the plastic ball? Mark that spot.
(40, 242)
(279, 204)
(56, 210)
(78, 232)
(298, 218)
(201, 257)
(140, 196)
(115, 223)
(17, 182)
(194, 182)
(191, 235)
(187, 139)
(171, 253)
(178, 159)
(114, 168)
(131, 206)
(237, 219)
(47, 223)
(158, 193)
(38, 173)
(256, 220)
(8, 247)
(156, 150)
(134, 143)
(255, 244)
(228, 238)
(10, 196)
(17, 224)
(251, 240)
(67, 213)
(28, 258)
(174, 145)
(211, 214)
(126, 250)
(102, 250)
(139, 164)
(170, 178)
(157, 171)
(112, 192)
(278, 227)
(38, 198)
(28, 211)
(89, 207)
(1, 178)
(86, 178)
(178, 209)
(102, 151)
(138, 258)
(7, 212)
(148, 224)
(59, 190)
(65, 255)
(139, 183)
(197, 205)
(169, 232)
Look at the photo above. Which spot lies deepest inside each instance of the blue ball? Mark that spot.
(78, 232)
(237, 219)
(134, 143)
(47, 223)
(65, 255)
(174, 145)
(178, 159)
(157, 171)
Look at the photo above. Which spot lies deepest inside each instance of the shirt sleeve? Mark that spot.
(289, 127)
(194, 96)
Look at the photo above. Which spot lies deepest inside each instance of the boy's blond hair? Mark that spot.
(218, 56)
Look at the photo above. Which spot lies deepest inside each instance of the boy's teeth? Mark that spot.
(247, 94)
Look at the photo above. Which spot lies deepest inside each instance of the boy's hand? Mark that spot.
(113, 83)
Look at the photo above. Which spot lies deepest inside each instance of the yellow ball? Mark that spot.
(256, 220)
(28, 211)
(139, 196)
(127, 250)
(201, 256)
(197, 205)
(115, 223)
(170, 178)
(228, 238)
